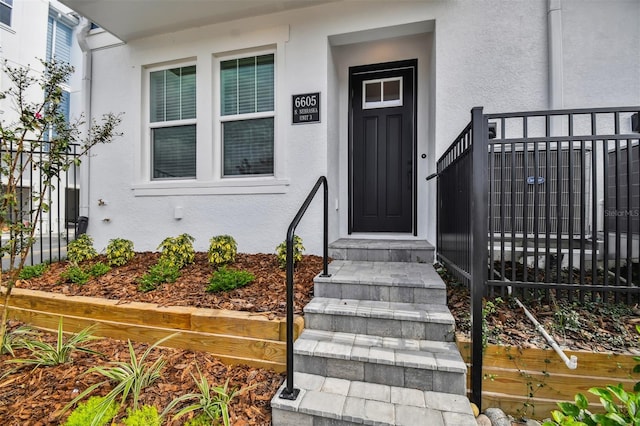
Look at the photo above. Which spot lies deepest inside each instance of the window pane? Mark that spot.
(172, 94)
(63, 40)
(188, 92)
(229, 87)
(174, 152)
(49, 36)
(264, 83)
(392, 90)
(5, 14)
(248, 147)
(246, 85)
(373, 92)
(157, 96)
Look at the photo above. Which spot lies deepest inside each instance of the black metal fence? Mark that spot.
(57, 224)
(543, 204)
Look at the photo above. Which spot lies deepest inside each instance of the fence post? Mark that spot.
(479, 216)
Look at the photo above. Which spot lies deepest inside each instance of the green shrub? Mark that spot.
(32, 271)
(222, 250)
(146, 415)
(86, 412)
(48, 355)
(212, 402)
(160, 273)
(125, 378)
(75, 274)
(227, 279)
(281, 251)
(199, 420)
(15, 338)
(81, 249)
(622, 408)
(178, 250)
(98, 269)
(120, 251)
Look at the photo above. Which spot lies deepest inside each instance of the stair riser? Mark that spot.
(380, 292)
(384, 374)
(381, 327)
(383, 255)
(284, 417)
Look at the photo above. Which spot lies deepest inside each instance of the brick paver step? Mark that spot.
(385, 319)
(349, 402)
(418, 364)
(382, 281)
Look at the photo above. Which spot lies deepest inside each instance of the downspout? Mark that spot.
(556, 71)
(85, 27)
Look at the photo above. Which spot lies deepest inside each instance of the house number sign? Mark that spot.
(306, 108)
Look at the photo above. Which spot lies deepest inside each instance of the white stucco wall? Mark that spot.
(490, 53)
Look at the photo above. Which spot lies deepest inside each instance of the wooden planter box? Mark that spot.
(234, 337)
(529, 382)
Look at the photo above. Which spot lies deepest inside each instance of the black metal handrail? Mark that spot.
(289, 392)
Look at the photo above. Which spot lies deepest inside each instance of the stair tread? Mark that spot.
(369, 403)
(403, 311)
(400, 274)
(410, 353)
(360, 243)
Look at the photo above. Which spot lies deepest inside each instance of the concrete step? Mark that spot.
(382, 250)
(338, 402)
(382, 281)
(383, 319)
(416, 364)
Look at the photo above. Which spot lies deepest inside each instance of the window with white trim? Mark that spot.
(172, 122)
(59, 44)
(6, 9)
(382, 93)
(247, 113)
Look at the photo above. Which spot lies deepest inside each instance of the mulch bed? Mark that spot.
(266, 294)
(588, 326)
(35, 396)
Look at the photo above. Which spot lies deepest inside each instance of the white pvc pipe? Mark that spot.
(572, 363)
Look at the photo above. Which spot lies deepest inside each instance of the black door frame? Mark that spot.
(385, 66)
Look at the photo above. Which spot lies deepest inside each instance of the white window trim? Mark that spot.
(219, 119)
(2, 24)
(382, 103)
(209, 179)
(147, 166)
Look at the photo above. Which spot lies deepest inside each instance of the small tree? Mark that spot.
(37, 128)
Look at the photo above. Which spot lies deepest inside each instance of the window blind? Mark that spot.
(247, 87)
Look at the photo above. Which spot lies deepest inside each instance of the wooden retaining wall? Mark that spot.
(234, 337)
(529, 382)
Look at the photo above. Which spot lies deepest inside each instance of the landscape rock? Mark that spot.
(483, 420)
(497, 417)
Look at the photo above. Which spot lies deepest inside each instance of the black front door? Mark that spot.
(382, 141)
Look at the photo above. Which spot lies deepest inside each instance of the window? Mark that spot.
(247, 115)
(381, 93)
(172, 122)
(59, 42)
(6, 7)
